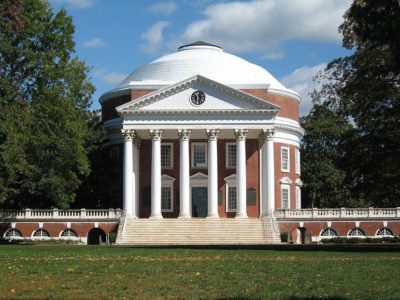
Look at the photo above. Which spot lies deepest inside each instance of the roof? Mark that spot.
(207, 60)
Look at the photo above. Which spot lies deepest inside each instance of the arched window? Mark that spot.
(384, 231)
(41, 233)
(356, 232)
(68, 233)
(328, 232)
(13, 233)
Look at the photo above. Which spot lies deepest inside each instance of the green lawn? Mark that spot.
(100, 272)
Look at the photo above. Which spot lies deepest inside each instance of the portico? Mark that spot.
(226, 115)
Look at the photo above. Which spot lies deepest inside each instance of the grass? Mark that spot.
(99, 272)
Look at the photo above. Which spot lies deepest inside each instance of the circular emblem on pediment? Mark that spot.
(197, 98)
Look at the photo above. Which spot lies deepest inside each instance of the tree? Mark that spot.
(364, 87)
(44, 97)
(324, 177)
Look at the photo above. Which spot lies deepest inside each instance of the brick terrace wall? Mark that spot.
(370, 227)
(55, 228)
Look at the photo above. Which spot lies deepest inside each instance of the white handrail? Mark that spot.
(57, 214)
(338, 213)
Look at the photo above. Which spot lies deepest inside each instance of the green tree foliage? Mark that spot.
(364, 87)
(44, 97)
(324, 178)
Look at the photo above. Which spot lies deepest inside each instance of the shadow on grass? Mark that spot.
(328, 248)
(290, 298)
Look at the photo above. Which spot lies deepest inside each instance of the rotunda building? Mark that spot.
(203, 133)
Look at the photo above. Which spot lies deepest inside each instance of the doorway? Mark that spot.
(199, 202)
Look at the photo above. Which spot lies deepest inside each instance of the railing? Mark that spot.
(56, 214)
(338, 213)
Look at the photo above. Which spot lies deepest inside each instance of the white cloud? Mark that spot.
(263, 25)
(113, 78)
(164, 8)
(153, 37)
(301, 81)
(94, 43)
(77, 3)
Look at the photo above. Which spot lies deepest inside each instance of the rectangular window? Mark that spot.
(285, 163)
(298, 197)
(297, 153)
(199, 155)
(231, 198)
(230, 155)
(285, 197)
(166, 155)
(166, 199)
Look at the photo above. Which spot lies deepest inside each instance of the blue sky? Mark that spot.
(292, 39)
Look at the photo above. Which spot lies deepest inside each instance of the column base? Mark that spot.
(241, 216)
(156, 217)
(184, 216)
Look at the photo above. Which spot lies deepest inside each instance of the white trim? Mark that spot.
(298, 197)
(168, 181)
(230, 181)
(192, 155)
(171, 155)
(226, 155)
(288, 159)
(297, 160)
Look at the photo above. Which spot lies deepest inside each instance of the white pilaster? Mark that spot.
(128, 135)
(270, 171)
(212, 173)
(241, 173)
(156, 174)
(184, 136)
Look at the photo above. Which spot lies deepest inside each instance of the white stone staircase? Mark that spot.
(197, 231)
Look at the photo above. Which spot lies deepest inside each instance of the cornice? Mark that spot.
(171, 112)
(298, 131)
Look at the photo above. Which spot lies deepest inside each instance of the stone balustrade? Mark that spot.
(338, 213)
(60, 215)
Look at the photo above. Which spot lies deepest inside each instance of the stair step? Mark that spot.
(199, 231)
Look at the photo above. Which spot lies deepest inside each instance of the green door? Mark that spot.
(199, 202)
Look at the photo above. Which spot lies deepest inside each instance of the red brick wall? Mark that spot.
(289, 107)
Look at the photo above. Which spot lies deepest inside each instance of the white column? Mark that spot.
(184, 136)
(135, 179)
(263, 179)
(128, 135)
(156, 174)
(212, 173)
(241, 185)
(270, 162)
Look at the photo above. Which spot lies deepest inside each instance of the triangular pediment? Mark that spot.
(199, 175)
(179, 98)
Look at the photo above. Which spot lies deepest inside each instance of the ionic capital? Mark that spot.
(212, 134)
(241, 134)
(184, 134)
(156, 134)
(128, 134)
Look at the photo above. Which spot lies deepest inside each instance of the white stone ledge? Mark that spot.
(61, 215)
(338, 213)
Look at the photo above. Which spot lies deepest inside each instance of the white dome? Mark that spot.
(202, 59)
